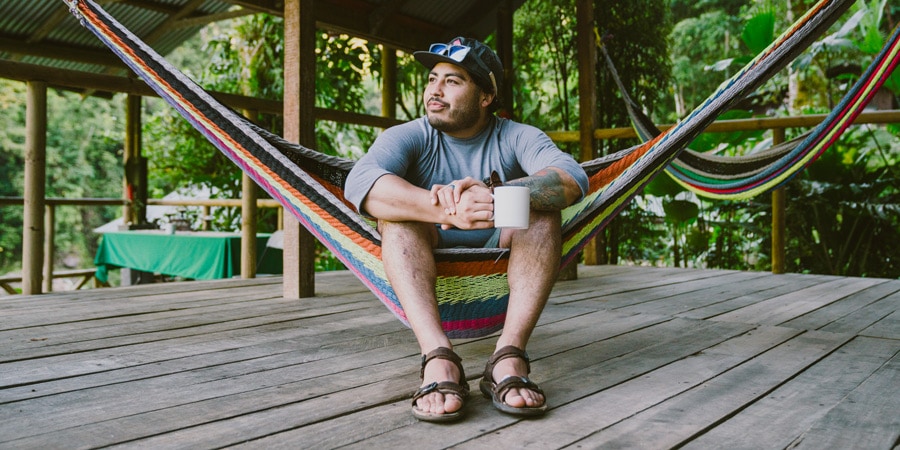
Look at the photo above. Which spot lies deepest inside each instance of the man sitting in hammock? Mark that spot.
(426, 182)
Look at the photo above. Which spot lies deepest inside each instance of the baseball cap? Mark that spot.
(479, 60)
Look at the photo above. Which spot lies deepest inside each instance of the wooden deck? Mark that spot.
(629, 357)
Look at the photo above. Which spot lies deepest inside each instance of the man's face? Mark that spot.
(454, 104)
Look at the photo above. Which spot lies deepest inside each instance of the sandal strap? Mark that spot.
(444, 387)
(511, 382)
(447, 354)
(510, 351)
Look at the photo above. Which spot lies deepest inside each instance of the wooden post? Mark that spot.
(49, 246)
(587, 99)
(388, 82)
(205, 221)
(35, 189)
(299, 127)
(248, 221)
(135, 183)
(248, 227)
(778, 212)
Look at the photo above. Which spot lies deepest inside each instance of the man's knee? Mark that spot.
(408, 231)
(545, 226)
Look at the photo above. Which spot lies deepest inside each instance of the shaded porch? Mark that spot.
(629, 356)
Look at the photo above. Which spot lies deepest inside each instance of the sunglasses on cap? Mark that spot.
(458, 53)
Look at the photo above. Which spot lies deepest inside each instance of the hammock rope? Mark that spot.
(743, 177)
(472, 286)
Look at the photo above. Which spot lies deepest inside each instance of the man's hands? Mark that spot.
(467, 204)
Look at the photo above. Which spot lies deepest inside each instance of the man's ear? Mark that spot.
(487, 99)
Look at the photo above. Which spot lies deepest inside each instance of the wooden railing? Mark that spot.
(50, 205)
(757, 124)
(777, 125)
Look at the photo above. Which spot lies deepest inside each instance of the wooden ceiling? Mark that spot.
(42, 33)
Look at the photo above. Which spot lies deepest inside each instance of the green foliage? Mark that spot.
(759, 31)
(640, 235)
(844, 214)
(698, 44)
(727, 143)
(837, 216)
(546, 93)
(83, 155)
(634, 34)
(12, 160)
(246, 57)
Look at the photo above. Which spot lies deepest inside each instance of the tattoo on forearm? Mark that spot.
(547, 190)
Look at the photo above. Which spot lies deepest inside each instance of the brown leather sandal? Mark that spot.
(497, 391)
(460, 389)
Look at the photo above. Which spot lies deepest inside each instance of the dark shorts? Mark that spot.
(488, 238)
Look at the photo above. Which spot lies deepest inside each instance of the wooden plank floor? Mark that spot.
(629, 357)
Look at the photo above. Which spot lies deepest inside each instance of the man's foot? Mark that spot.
(439, 400)
(514, 393)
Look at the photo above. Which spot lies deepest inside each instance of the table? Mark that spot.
(198, 255)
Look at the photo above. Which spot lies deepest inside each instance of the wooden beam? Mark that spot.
(61, 52)
(248, 227)
(378, 16)
(35, 190)
(594, 252)
(202, 21)
(274, 7)
(397, 30)
(170, 9)
(248, 220)
(388, 82)
(134, 185)
(173, 18)
(49, 245)
(61, 13)
(378, 22)
(299, 127)
(217, 202)
(778, 213)
(117, 84)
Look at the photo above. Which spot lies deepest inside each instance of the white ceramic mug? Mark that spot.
(512, 206)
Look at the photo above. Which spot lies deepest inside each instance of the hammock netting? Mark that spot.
(472, 286)
(741, 177)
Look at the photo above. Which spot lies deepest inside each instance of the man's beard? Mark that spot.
(462, 118)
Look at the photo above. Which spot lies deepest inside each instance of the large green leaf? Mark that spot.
(680, 211)
(759, 31)
(663, 186)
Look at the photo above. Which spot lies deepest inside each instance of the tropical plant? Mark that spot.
(83, 156)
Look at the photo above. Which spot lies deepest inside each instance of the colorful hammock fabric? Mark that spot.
(742, 177)
(472, 286)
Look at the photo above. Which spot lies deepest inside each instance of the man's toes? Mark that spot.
(535, 400)
(427, 404)
(452, 403)
(439, 404)
(522, 398)
(515, 399)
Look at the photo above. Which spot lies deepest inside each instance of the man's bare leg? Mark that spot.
(406, 251)
(533, 269)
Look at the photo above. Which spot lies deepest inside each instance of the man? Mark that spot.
(423, 181)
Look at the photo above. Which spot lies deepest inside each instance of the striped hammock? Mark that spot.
(472, 286)
(743, 177)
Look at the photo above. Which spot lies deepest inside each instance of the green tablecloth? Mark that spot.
(194, 255)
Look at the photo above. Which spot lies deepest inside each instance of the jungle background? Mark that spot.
(843, 213)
